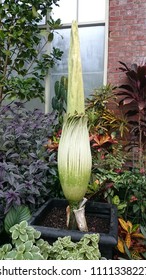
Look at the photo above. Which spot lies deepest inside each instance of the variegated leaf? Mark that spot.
(138, 235)
(120, 246)
(129, 226)
(128, 240)
(123, 224)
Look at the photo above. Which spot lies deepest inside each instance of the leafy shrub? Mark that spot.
(131, 240)
(132, 99)
(101, 119)
(23, 59)
(106, 129)
(126, 189)
(27, 245)
(27, 169)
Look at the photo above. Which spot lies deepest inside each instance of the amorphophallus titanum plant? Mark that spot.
(74, 154)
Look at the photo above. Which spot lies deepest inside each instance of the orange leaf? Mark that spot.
(123, 224)
(128, 240)
(120, 246)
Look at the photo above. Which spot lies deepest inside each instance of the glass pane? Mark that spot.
(92, 48)
(66, 11)
(92, 81)
(93, 10)
(91, 45)
(92, 55)
(61, 41)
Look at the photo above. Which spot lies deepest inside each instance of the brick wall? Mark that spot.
(127, 36)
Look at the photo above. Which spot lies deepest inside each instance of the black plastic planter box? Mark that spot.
(103, 210)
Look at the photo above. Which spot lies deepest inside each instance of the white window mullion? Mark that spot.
(77, 11)
(106, 42)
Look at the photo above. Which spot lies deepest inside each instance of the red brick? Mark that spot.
(127, 35)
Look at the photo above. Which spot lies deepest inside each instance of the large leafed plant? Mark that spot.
(133, 100)
(24, 61)
(74, 155)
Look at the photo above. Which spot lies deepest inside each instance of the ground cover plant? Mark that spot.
(27, 244)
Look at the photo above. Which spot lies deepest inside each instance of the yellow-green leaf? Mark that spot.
(123, 224)
(130, 227)
(138, 235)
(128, 240)
(120, 245)
(34, 12)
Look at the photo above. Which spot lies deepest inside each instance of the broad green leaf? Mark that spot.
(15, 216)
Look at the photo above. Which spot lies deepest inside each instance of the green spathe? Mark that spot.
(74, 158)
(75, 98)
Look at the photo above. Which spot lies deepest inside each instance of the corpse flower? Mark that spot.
(74, 154)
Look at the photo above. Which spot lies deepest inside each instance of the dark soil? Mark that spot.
(57, 218)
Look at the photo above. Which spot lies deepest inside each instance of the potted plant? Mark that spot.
(75, 163)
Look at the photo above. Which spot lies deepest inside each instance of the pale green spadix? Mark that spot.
(74, 154)
(75, 97)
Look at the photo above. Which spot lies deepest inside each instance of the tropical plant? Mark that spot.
(133, 100)
(23, 59)
(74, 154)
(102, 120)
(106, 129)
(27, 245)
(106, 152)
(28, 170)
(16, 215)
(126, 189)
(131, 242)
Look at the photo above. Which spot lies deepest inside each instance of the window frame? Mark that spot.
(83, 24)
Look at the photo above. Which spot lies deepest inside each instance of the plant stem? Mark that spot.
(72, 220)
(140, 141)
